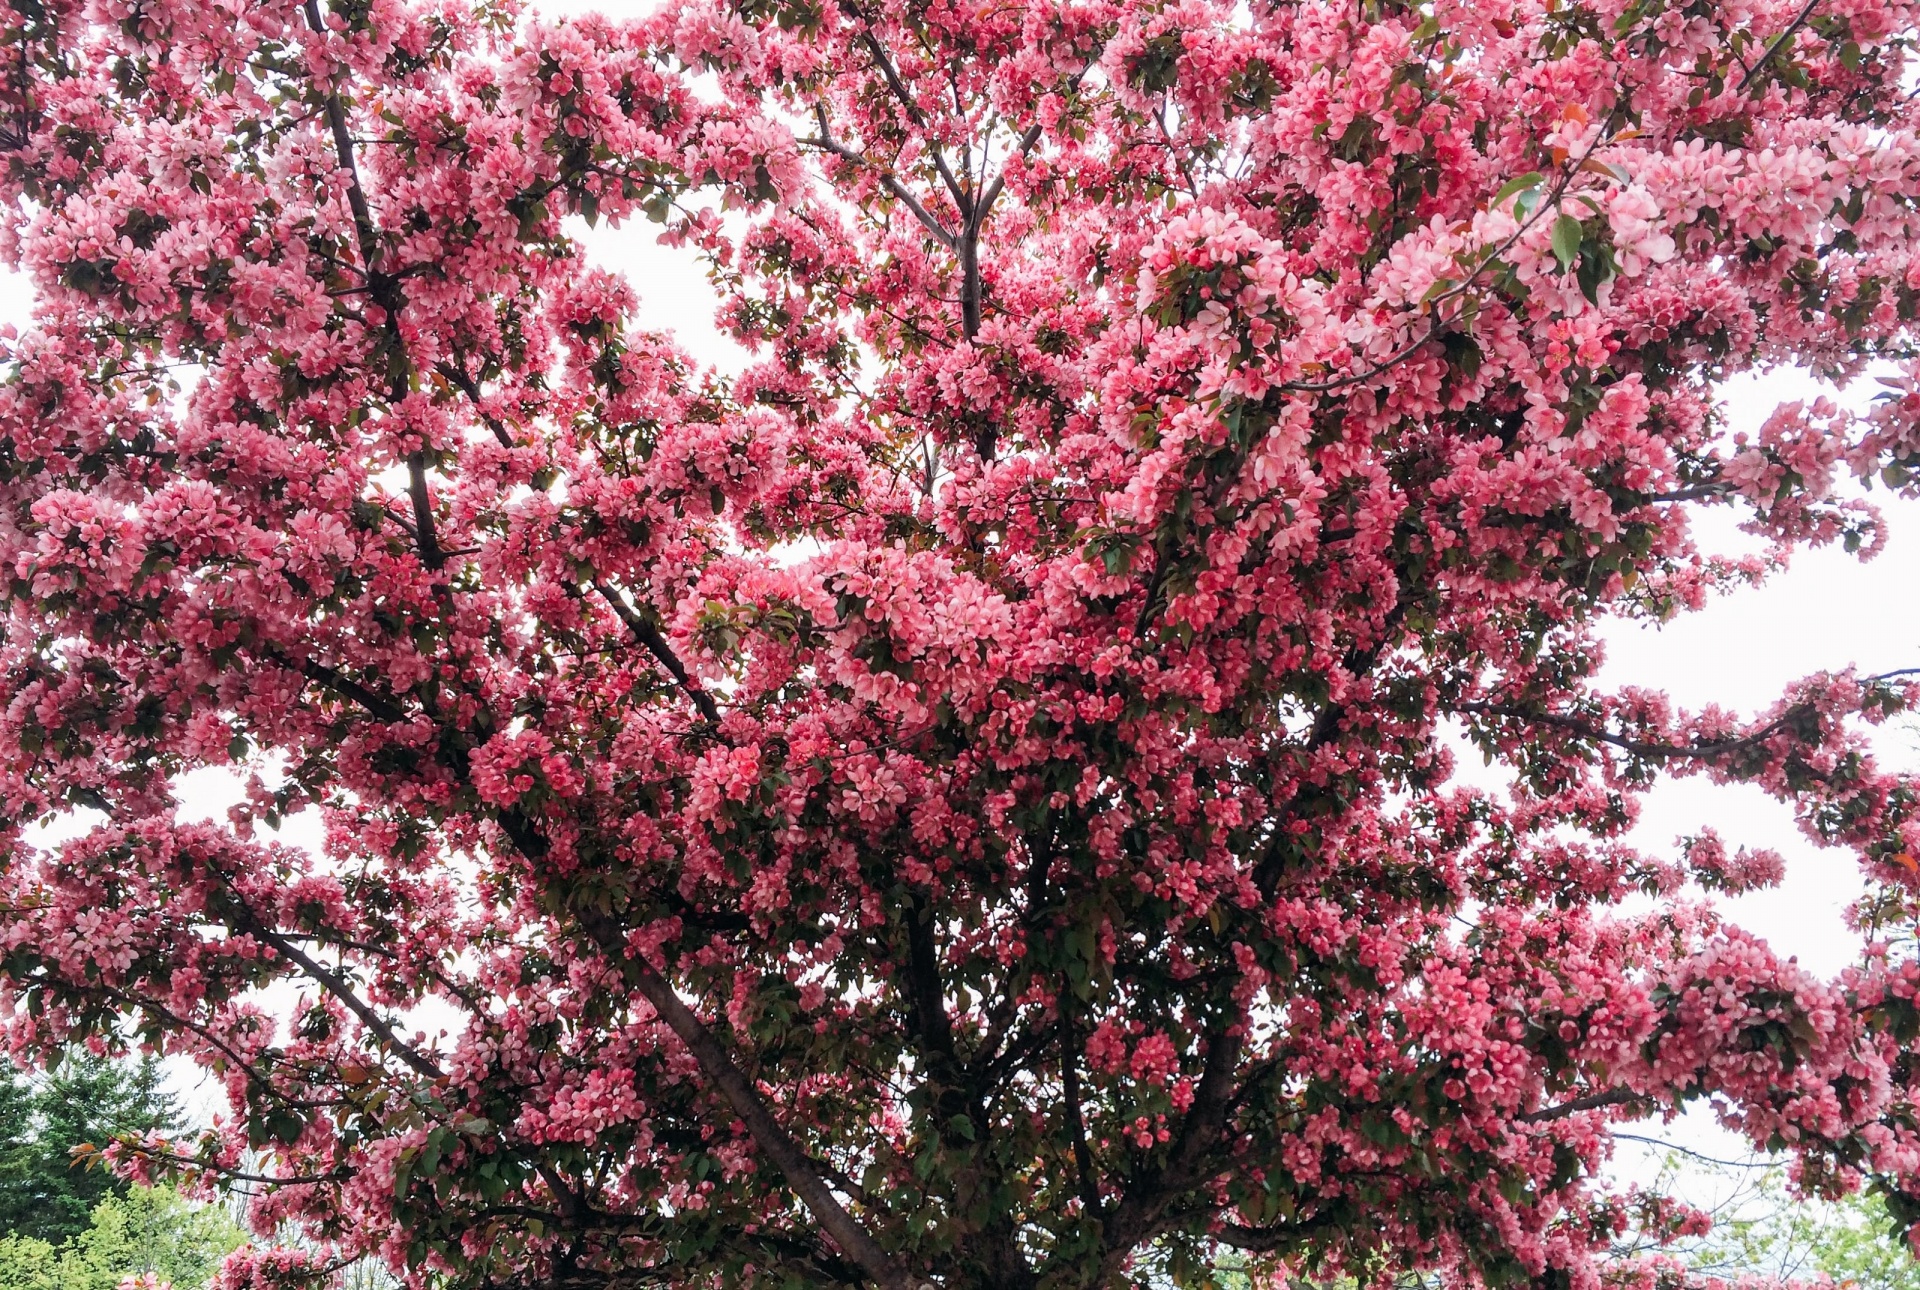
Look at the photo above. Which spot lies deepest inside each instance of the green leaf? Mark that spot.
(285, 1125)
(1518, 184)
(1567, 232)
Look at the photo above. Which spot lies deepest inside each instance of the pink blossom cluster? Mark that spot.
(969, 798)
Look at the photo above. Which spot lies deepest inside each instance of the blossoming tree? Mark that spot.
(969, 800)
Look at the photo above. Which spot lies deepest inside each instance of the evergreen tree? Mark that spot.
(23, 1183)
(85, 1099)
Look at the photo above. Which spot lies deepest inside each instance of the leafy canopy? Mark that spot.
(969, 800)
(147, 1232)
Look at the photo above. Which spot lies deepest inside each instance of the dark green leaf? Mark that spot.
(1567, 232)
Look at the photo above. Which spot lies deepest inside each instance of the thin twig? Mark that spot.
(1779, 42)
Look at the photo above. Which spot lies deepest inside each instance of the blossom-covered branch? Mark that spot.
(968, 799)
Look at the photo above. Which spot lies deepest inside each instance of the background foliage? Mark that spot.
(146, 1230)
(44, 1194)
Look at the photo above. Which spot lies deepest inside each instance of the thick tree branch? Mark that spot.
(472, 1002)
(962, 198)
(925, 989)
(426, 538)
(733, 1086)
(385, 291)
(768, 1134)
(1256, 1240)
(1140, 1209)
(1070, 1053)
(343, 148)
(380, 708)
(718, 1066)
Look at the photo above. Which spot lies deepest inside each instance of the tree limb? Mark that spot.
(649, 635)
(928, 220)
(1778, 43)
(771, 1137)
(337, 986)
(787, 1155)
(1590, 1102)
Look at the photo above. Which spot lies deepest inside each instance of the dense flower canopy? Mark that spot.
(969, 800)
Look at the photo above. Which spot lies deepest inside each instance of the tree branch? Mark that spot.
(649, 635)
(992, 193)
(467, 386)
(327, 678)
(1590, 1102)
(426, 538)
(1778, 43)
(385, 292)
(787, 1155)
(1258, 1240)
(1140, 1209)
(906, 198)
(343, 148)
(1641, 748)
(780, 1147)
(924, 987)
(1638, 747)
(1076, 1122)
(337, 986)
(961, 198)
